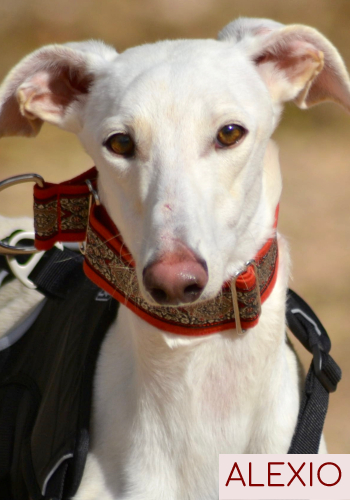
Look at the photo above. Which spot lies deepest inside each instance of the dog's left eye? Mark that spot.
(230, 134)
(121, 144)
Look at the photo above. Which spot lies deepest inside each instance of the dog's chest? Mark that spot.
(163, 420)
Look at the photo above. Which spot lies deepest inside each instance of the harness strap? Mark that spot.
(322, 378)
(56, 272)
(59, 350)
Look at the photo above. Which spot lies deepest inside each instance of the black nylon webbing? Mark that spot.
(322, 378)
(57, 271)
(311, 417)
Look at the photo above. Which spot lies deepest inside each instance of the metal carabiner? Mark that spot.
(6, 249)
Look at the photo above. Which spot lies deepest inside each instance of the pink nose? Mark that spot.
(178, 277)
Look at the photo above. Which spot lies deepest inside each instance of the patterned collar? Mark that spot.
(64, 212)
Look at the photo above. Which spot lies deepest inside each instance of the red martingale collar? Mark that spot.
(66, 212)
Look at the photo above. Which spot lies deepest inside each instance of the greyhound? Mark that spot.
(180, 133)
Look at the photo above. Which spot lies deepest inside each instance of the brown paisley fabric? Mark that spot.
(61, 211)
(72, 213)
(45, 219)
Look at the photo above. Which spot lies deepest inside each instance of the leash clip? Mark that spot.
(251, 262)
(6, 249)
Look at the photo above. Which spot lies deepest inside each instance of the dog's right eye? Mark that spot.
(121, 144)
(230, 135)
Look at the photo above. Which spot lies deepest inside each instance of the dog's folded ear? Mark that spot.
(51, 84)
(296, 62)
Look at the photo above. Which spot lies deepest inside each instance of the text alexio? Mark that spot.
(284, 476)
(270, 474)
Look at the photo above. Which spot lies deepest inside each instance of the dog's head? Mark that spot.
(179, 131)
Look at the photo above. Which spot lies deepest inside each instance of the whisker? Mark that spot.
(109, 239)
(252, 236)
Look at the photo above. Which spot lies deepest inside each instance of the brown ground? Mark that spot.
(314, 145)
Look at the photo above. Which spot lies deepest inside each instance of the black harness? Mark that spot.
(46, 384)
(46, 381)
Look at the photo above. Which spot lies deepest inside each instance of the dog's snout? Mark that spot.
(179, 277)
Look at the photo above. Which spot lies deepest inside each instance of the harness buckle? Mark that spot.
(251, 262)
(6, 249)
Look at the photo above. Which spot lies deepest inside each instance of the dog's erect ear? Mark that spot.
(50, 85)
(296, 62)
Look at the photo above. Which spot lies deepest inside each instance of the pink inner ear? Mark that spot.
(303, 58)
(51, 92)
(42, 87)
(292, 58)
(332, 84)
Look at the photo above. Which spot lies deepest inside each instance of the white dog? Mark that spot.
(180, 134)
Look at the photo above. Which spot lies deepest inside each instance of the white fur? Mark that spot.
(165, 406)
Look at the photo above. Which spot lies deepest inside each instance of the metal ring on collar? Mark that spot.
(11, 181)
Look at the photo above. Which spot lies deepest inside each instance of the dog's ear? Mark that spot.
(296, 62)
(51, 84)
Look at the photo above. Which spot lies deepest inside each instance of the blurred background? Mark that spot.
(314, 144)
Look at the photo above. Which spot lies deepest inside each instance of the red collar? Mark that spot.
(64, 212)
